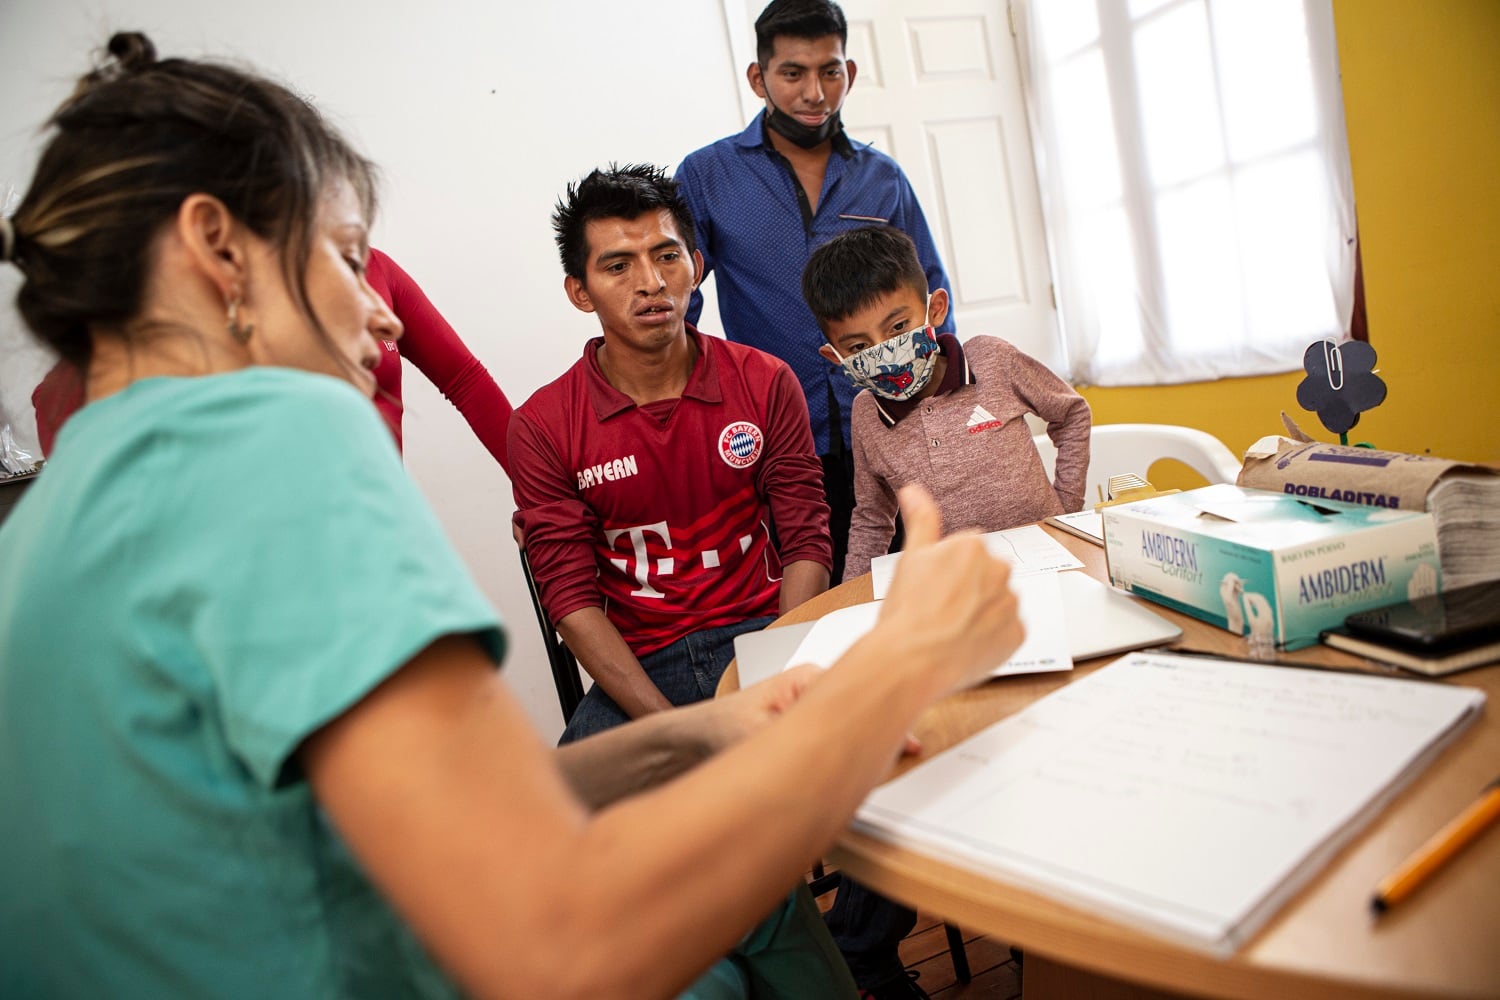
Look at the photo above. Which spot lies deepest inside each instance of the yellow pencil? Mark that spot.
(1440, 847)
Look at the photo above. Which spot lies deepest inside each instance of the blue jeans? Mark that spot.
(868, 929)
(685, 672)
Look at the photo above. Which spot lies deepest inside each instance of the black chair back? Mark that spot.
(559, 657)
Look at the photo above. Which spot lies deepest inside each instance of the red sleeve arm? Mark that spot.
(557, 527)
(435, 348)
(791, 477)
(56, 398)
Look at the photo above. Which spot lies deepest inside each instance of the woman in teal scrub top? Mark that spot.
(252, 741)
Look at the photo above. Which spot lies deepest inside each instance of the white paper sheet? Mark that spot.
(1039, 596)
(1183, 795)
(1087, 524)
(1028, 550)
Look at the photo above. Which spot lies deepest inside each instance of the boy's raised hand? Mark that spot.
(953, 594)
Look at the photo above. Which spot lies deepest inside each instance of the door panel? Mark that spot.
(946, 91)
(972, 175)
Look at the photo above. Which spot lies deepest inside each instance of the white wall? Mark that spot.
(478, 113)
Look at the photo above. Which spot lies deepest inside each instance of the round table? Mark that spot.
(1443, 941)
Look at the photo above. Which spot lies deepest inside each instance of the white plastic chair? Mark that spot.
(1118, 449)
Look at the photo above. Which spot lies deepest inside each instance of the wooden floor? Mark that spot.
(994, 975)
(994, 971)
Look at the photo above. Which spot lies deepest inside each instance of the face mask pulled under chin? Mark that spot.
(897, 369)
(799, 134)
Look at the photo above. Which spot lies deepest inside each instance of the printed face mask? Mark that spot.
(897, 369)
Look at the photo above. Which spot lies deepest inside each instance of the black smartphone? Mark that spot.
(1439, 623)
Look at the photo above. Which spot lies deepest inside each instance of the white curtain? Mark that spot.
(1195, 181)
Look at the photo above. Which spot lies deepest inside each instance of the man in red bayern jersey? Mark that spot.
(667, 491)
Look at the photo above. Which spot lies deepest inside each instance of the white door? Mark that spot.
(939, 89)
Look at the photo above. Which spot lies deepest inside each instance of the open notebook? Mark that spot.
(1188, 797)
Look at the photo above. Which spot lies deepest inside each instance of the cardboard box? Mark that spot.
(1276, 567)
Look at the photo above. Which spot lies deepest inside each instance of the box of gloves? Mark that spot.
(1275, 567)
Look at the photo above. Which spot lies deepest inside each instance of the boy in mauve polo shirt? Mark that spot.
(947, 415)
(648, 477)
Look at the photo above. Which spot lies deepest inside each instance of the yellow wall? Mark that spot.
(1422, 103)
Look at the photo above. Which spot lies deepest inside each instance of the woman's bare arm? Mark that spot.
(658, 747)
(468, 825)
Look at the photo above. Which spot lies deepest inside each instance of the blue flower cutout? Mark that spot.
(1341, 383)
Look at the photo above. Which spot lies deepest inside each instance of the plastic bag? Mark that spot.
(14, 460)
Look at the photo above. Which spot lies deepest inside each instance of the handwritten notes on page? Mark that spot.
(1186, 796)
(1039, 597)
(1028, 550)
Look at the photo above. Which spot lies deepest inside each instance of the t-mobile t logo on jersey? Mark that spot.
(665, 566)
(642, 572)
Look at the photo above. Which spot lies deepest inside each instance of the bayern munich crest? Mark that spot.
(740, 444)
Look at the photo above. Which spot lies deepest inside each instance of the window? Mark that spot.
(1195, 178)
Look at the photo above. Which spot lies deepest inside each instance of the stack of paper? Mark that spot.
(1028, 550)
(1466, 509)
(1068, 616)
(1041, 607)
(1034, 557)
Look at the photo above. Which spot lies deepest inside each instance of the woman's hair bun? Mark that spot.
(125, 54)
(131, 51)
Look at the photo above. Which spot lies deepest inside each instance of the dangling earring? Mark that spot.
(239, 333)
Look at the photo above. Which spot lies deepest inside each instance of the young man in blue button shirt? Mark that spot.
(766, 198)
(762, 201)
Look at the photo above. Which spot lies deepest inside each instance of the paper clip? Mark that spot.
(1333, 358)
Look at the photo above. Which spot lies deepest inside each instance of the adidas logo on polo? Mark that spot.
(983, 420)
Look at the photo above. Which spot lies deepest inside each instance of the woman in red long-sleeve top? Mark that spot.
(433, 346)
(429, 342)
